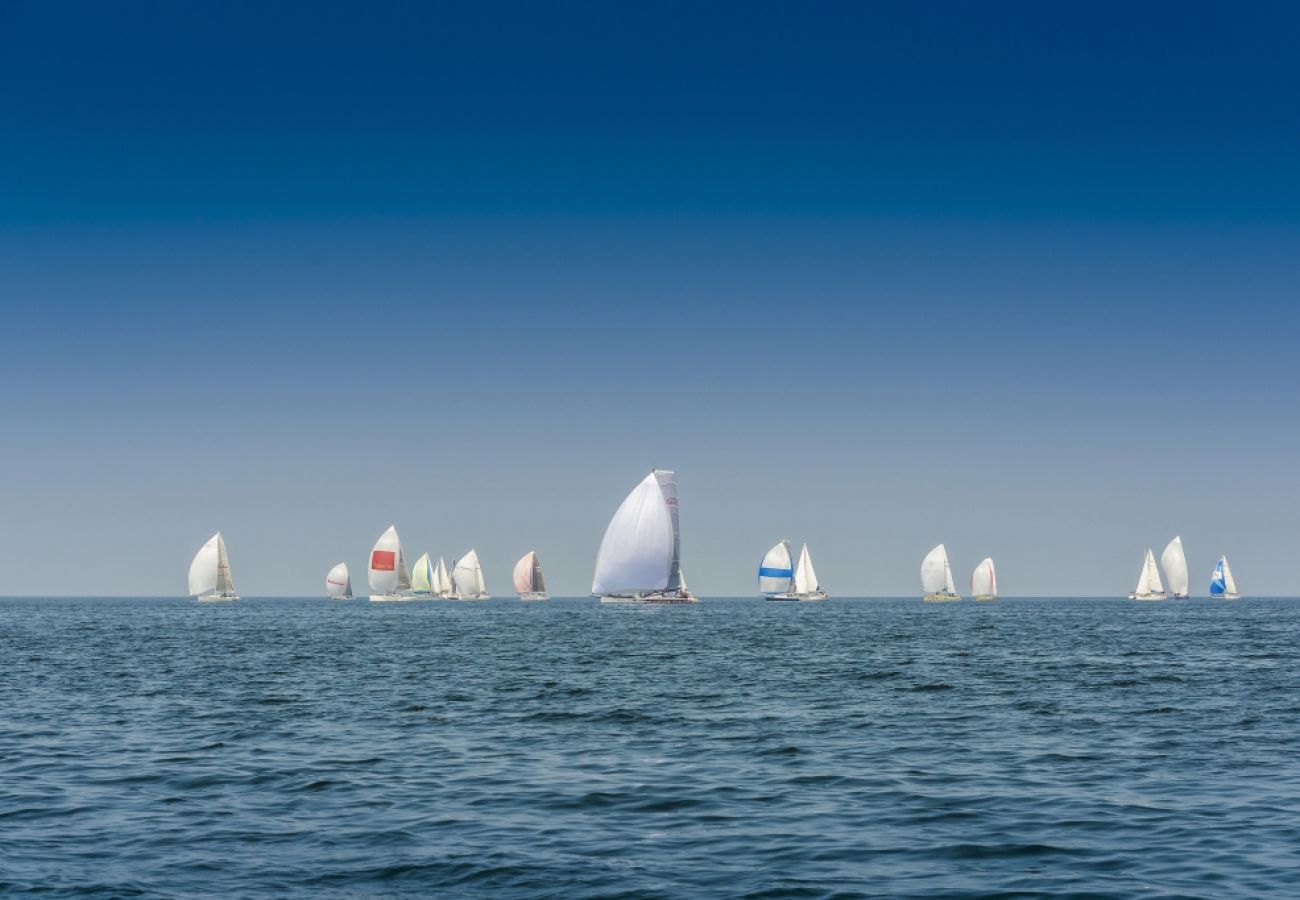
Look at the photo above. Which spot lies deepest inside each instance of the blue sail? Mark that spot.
(1217, 586)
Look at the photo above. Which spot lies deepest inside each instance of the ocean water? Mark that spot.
(303, 748)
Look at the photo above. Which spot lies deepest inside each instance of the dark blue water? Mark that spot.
(564, 749)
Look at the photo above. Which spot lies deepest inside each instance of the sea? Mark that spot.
(854, 748)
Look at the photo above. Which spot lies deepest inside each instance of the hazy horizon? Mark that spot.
(1020, 280)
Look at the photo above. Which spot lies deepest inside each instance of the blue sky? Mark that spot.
(1019, 279)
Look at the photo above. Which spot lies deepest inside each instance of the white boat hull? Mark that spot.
(217, 598)
(813, 597)
(653, 599)
(534, 595)
(1225, 596)
(986, 598)
(1158, 595)
(392, 598)
(942, 598)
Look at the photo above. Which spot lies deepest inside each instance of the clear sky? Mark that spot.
(1018, 277)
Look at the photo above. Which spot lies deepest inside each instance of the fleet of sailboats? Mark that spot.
(984, 581)
(639, 560)
(936, 577)
(338, 583)
(529, 583)
(1222, 585)
(210, 572)
(467, 578)
(778, 581)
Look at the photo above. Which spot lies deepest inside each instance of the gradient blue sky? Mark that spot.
(1018, 277)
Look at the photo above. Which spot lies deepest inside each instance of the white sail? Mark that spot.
(1175, 565)
(467, 575)
(984, 581)
(668, 485)
(1149, 582)
(638, 550)
(935, 574)
(774, 572)
(385, 559)
(523, 574)
(1229, 582)
(338, 583)
(422, 575)
(203, 568)
(441, 580)
(805, 577)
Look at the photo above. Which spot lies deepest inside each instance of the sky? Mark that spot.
(1021, 278)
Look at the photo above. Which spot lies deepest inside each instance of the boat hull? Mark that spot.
(986, 598)
(655, 599)
(392, 598)
(534, 595)
(1225, 596)
(941, 598)
(470, 597)
(217, 598)
(814, 597)
(1150, 597)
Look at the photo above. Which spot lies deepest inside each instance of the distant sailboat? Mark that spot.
(338, 584)
(528, 578)
(1175, 565)
(467, 576)
(442, 586)
(1222, 585)
(210, 572)
(775, 573)
(984, 581)
(389, 578)
(422, 575)
(640, 556)
(1149, 586)
(936, 577)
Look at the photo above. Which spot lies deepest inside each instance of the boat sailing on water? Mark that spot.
(210, 572)
(422, 577)
(529, 582)
(467, 578)
(639, 560)
(338, 583)
(389, 577)
(1149, 586)
(1222, 585)
(778, 581)
(443, 589)
(1174, 562)
(936, 577)
(984, 581)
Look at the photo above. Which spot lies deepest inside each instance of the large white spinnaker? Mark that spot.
(984, 581)
(775, 574)
(387, 573)
(467, 576)
(1174, 562)
(209, 576)
(338, 583)
(640, 556)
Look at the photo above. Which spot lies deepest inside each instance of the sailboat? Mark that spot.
(338, 584)
(775, 574)
(640, 556)
(936, 577)
(1148, 586)
(467, 576)
(389, 578)
(984, 581)
(210, 572)
(528, 578)
(1222, 585)
(442, 586)
(422, 577)
(1175, 565)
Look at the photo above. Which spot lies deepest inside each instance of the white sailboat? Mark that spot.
(984, 581)
(936, 577)
(210, 572)
(529, 582)
(422, 574)
(389, 577)
(338, 583)
(776, 574)
(1222, 585)
(467, 576)
(442, 586)
(640, 556)
(1149, 586)
(1175, 565)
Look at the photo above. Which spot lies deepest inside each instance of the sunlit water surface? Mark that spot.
(737, 748)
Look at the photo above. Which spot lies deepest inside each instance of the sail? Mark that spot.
(467, 575)
(203, 568)
(384, 560)
(1150, 582)
(774, 572)
(947, 577)
(224, 584)
(1175, 565)
(523, 574)
(638, 550)
(668, 485)
(422, 575)
(338, 583)
(441, 580)
(1228, 581)
(805, 577)
(539, 583)
(984, 582)
(403, 573)
(935, 575)
(1218, 584)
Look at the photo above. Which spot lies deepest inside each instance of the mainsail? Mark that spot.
(639, 552)
(441, 580)
(1175, 565)
(338, 583)
(774, 572)
(1149, 581)
(805, 577)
